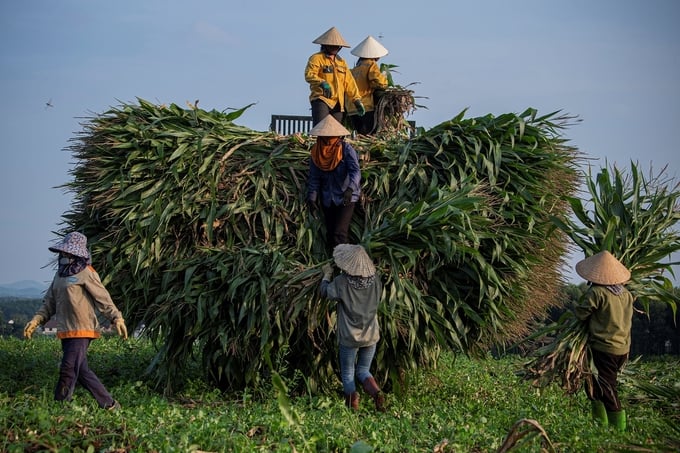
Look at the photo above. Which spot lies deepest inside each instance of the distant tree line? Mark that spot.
(15, 312)
(657, 333)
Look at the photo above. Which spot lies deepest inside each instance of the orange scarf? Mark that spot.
(327, 152)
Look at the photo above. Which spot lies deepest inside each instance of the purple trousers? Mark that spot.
(75, 370)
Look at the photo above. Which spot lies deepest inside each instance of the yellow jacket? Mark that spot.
(320, 68)
(368, 78)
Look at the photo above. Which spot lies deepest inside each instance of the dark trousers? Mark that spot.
(320, 110)
(364, 125)
(337, 219)
(74, 369)
(608, 367)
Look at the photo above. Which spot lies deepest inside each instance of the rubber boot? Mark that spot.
(371, 387)
(352, 401)
(617, 420)
(599, 413)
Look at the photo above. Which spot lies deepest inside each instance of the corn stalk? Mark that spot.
(636, 218)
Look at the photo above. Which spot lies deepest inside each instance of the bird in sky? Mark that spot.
(48, 104)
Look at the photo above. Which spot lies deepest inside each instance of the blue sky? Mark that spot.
(614, 63)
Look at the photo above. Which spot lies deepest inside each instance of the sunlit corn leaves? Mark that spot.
(200, 231)
(635, 217)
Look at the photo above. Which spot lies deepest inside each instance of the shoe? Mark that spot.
(352, 401)
(371, 387)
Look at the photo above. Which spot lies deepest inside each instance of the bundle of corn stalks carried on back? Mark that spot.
(200, 230)
(635, 217)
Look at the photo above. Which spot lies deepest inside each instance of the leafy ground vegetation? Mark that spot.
(463, 405)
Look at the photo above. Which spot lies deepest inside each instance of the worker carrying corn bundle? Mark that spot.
(607, 307)
(358, 291)
(330, 80)
(369, 81)
(334, 178)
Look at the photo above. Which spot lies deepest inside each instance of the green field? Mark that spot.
(463, 406)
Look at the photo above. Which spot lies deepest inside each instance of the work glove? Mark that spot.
(347, 196)
(31, 326)
(361, 110)
(119, 323)
(327, 270)
(326, 89)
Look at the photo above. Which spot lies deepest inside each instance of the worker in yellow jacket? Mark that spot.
(330, 80)
(369, 79)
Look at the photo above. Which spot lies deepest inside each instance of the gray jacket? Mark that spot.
(357, 311)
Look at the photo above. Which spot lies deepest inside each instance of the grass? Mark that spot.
(462, 406)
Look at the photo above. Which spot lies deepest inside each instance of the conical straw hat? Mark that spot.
(369, 48)
(332, 37)
(353, 259)
(329, 127)
(603, 268)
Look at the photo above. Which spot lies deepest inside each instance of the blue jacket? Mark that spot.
(332, 184)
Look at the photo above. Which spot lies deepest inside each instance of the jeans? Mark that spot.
(363, 358)
(74, 369)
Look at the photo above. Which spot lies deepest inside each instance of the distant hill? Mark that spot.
(29, 289)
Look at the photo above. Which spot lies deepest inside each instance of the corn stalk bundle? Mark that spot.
(563, 356)
(200, 230)
(393, 105)
(635, 217)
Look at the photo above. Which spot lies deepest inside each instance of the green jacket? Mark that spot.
(75, 300)
(609, 317)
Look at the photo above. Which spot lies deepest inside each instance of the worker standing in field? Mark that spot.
(334, 180)
(330, 80)
(74, 297)
(358, 291)
(369, 79)
(607, 307)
